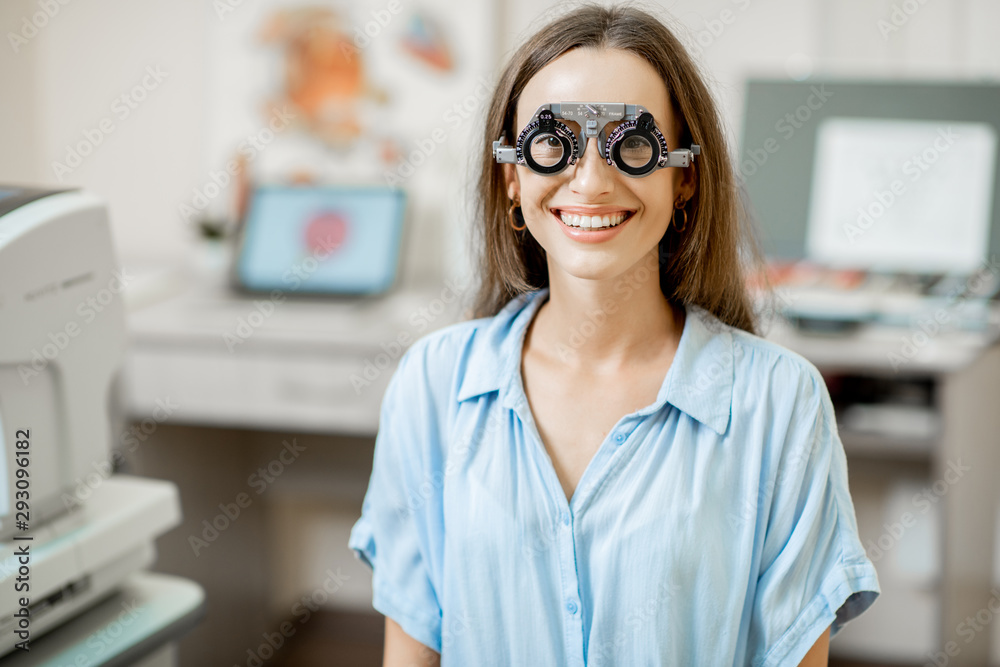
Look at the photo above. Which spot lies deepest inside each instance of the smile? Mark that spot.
(607, 220)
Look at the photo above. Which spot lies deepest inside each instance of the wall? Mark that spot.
(778, 38)
(68, 77)
(65, 79)
(85, 57)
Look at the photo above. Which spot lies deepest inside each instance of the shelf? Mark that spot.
(870, 445)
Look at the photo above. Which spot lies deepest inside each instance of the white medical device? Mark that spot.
(62, 340)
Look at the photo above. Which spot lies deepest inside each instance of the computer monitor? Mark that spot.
(320, 240)
(878, 175)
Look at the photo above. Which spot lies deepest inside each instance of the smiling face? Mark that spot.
(639, 210)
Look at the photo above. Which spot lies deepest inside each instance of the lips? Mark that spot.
(593, 218)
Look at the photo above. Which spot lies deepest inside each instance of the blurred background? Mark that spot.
(287, 195)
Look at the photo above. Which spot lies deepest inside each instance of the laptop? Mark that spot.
(320, 241)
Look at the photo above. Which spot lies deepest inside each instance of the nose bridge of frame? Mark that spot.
(585, 143)
(593, 128)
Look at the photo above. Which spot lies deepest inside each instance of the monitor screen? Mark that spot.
(813, 152)
(321, 240)
(901, 195)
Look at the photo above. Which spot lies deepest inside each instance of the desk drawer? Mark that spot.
(316, 393)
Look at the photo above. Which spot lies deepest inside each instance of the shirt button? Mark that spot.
(620, 438)
(571, 607)
(564, 517)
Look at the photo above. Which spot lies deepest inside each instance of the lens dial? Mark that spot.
(546, 146)
(635, 146)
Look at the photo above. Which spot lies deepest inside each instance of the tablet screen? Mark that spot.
(321, 240)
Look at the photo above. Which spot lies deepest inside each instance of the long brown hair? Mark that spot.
(706, 263)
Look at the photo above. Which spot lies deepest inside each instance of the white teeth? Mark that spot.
(592, 222)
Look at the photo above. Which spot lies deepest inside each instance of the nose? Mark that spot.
(592, 176)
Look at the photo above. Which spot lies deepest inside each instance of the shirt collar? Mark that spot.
(699, 382)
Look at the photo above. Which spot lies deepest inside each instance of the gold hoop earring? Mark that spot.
(510, 216)
(680, 205)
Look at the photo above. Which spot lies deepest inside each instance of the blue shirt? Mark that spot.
(713, 527)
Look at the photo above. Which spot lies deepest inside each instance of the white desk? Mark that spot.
(290, 377)
(312, 366)
(293, 374)
(910, 622)
(138, 626)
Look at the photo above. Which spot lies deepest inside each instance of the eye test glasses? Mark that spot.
(636, 147)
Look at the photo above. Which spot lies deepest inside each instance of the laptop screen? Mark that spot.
(321, 240)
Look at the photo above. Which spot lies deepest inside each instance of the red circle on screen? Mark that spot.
(326, 232)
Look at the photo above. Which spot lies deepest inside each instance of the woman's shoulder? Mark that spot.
(463, 359)
(438, 353)
(779, 395)
(766, 368)
(454, 343)
(445, 351)
(446, 340)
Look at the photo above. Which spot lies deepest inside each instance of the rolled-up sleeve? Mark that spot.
(400, 529)
(814, 572)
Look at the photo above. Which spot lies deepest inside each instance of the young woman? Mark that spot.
(607, 466)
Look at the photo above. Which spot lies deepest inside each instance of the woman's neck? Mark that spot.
(606, 325)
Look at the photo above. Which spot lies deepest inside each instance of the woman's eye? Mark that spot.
(636, 151)
(547, 144)
(546, 150)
